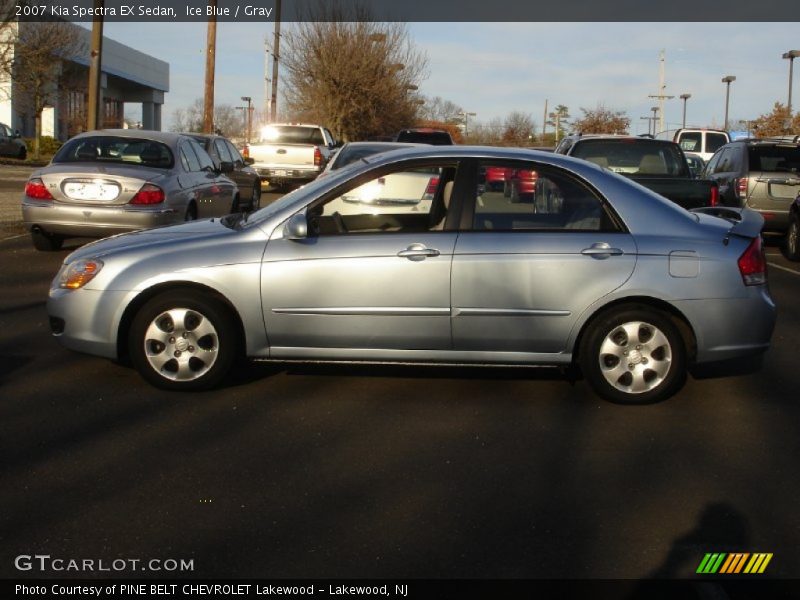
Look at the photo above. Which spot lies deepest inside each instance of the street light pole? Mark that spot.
(727, 80)
(466, 116)
(791, 55)
(684, 97)
(655, 119)
(249, 116)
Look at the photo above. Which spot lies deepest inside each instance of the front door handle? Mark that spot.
(601, 249)
(418, 252)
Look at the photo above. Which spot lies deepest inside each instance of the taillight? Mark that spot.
(36, 189)
(149, 194)
(430, 189)
(246, 151)
(714, 201)
(317, 157)
(753, 264)
(741, 188)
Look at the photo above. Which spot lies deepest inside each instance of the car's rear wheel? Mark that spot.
(633, 356)
(791, 243)
(191, 212)
(183, 341)
(255, 203)
(46, 242)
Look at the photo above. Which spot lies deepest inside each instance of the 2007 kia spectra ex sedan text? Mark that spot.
(407, 257)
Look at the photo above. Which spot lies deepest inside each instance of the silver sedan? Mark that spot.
(594, 274)
(111, 181)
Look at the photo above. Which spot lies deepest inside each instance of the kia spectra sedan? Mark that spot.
(591, 272)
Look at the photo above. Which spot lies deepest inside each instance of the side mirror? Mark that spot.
(16, 134)
(296, 227)
(225, 166)
(249, 161)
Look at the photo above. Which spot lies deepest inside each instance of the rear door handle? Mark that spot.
(418, 252)
(601, 249)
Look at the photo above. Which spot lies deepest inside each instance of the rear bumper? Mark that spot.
(287, 174)
(729, 329)
(94, 221)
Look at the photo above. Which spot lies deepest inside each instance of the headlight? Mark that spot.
(79, 273)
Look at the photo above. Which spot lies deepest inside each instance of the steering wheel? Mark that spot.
(338, 220)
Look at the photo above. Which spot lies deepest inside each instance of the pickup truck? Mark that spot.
(656, 164)
(288, 153)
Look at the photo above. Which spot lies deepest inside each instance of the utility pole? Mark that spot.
(661, 96)
(544, 120)
(273, 102)
(94, 119)
(211, 51)
(267, 99)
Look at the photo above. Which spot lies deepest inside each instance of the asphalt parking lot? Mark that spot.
(351, 472)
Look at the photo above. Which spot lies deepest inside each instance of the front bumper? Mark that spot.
(86, 320)
(94, 221)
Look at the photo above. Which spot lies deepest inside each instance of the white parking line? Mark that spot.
(13, 237)
(788, 270)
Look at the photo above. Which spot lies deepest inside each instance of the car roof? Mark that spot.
(167, 137)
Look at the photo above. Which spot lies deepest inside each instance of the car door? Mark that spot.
(372, 279)
(214, 191)
(523, 273)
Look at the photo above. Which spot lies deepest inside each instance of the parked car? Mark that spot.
(696, 164)
(224, 153)
(11, 144)
(761, 174)
(353, 151)
(659, 165)
(425, 135)
(791, 245)
(703, 142)
(111, 181)
(291, 153)
(614, 281)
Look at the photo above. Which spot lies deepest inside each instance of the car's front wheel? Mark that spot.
(791, 243)
(183, 341)
(633, 356)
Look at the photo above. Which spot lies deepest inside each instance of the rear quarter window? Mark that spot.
(778, 159)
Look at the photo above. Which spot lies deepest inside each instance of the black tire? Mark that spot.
(255, 199)
(202, 350)
(23, 153)
(645, 337)
(235, 206)
(514, 194)
(191, 212)
(791, 242)
(46, 242)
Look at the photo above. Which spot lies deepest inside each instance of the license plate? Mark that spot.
(82, 190)
(279, 173)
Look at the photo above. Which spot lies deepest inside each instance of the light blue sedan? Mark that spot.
(593, 273)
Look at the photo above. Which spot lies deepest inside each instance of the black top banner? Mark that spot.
(405, 10)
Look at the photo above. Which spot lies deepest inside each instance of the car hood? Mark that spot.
(153, 241)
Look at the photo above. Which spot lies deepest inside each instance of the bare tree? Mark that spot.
(439, 109)
(602, 120)
(518, 129)
(35, 57)
(227, 119)
(354, 77)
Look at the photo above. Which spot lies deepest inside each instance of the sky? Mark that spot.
(492, 69)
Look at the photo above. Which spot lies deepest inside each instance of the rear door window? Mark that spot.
(777, 159)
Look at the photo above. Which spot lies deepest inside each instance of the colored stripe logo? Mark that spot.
(734, 563)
